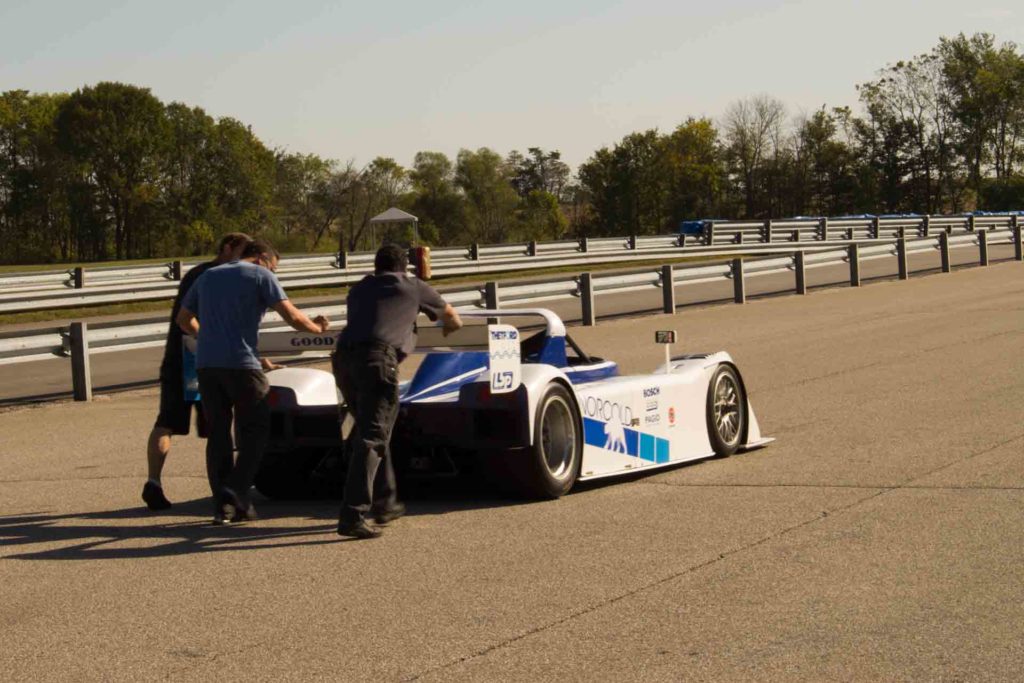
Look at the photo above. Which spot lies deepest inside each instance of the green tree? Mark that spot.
(491, 201)
(379, 186)
(116, 133)
(540, 217)
(34, 181)
(985, 96)
(697, 170)
(435, 199)
(630, 186)
(538, 171)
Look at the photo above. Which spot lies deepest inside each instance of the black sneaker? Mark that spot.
(385, 516)
(154, 497)
(357, 530)
(235, 509)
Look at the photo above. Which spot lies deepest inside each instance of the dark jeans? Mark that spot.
(367, 375)
(244, 393)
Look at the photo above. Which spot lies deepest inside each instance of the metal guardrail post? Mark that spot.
(78, 277)
(800, 270)
(631, 242)
(474, 252)
(944, 250)
(901, 257)
(1018, 246)
(176, 271)
(970, 223)
(531, 248)
(982, 247)
(668, 290)
(926, 226)
(709, 233)
(854, 256)
(767, 231)
(875, 227)
(81, 377)
(587, 300)
(584, 245)
(343, 260)
(739, 287)
(492, 299)
(823, 229)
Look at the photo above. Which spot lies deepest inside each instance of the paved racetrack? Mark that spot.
(881, 536)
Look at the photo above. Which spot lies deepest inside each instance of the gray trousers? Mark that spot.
(367, 375)
(242, 394)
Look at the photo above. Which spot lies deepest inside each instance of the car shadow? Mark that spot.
(111, 535)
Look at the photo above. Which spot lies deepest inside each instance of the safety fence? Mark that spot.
(79, 340)
(21, 292)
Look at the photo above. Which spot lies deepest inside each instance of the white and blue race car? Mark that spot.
(533, 411)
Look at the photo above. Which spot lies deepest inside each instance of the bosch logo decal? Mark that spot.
(651, 392)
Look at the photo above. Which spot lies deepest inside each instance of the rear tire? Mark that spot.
(549, 468)
(726, 411)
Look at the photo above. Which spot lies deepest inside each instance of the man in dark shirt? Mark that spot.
(230, 300)
(380, 333)
(175, 410)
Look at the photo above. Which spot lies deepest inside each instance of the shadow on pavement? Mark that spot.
(104, 535)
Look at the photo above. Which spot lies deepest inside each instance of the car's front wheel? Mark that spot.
(726, 411)
(549, 468)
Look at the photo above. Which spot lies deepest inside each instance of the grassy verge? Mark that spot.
(154, 307)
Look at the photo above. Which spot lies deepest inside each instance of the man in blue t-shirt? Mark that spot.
(231, 300)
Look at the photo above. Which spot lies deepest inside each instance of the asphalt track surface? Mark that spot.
(50, 379)
(881, 537)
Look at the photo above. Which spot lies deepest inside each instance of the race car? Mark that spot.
(526, 406)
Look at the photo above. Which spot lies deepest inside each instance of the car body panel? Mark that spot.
(627, 423)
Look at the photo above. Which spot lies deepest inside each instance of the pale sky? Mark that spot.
(355, 80)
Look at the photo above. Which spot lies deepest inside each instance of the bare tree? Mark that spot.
(753, 134)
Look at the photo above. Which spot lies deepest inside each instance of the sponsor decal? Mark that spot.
(617, 438)
(609, 411)
(671, 416)
(652, 419)
(511, 335)
(312, 341)
(502, 381)
(651, 398)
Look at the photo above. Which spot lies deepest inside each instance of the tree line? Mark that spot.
(111, 172)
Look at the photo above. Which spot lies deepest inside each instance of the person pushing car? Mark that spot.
(175, 410)
(379, 334)
(230, 300)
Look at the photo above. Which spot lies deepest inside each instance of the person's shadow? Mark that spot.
(108, 535)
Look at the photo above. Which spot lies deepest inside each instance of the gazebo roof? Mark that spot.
(394, 215)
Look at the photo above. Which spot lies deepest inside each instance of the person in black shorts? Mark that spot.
(380, 333)
(175, 411)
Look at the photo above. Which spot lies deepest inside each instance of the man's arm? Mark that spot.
(299, 320)
(450, 320)
(187, 321)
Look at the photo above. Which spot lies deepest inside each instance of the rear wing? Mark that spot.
(501, 342)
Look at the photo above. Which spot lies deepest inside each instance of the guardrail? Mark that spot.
(78, 341)
(76, 287)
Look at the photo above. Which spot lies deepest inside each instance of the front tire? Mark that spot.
(726, 411)
(549, 468)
